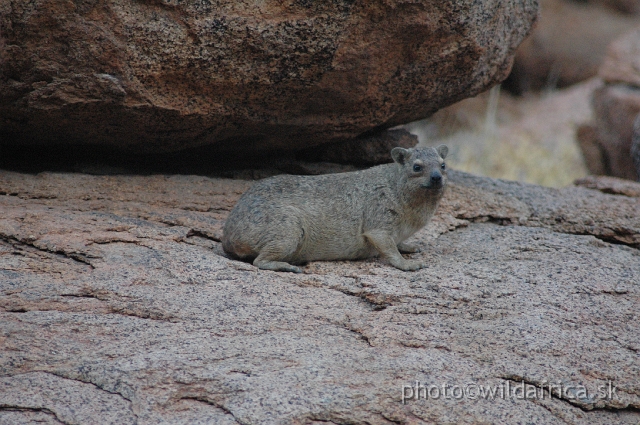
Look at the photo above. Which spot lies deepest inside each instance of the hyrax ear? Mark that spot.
(400, 155)
(442, 150)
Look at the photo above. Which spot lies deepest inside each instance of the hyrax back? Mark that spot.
(347, 216)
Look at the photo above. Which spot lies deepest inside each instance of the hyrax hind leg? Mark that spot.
(386, 246)
(407, 248)
(273, 254)
(269, 257)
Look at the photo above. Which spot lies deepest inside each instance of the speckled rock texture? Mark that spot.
(163, 75)
(118, 306)
(607, 141)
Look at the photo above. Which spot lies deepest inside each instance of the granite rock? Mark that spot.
(630, 7)
(607, 140)
(160, 75)
(567, 46)
(116, 300)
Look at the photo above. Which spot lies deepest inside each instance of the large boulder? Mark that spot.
(567, 46)
(607, 141)
(631, 7)
(117, 305)
(161, 75)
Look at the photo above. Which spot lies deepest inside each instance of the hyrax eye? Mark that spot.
(443, 166)
(417, 168)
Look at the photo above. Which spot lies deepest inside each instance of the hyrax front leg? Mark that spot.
(386, 246)
(270, 256)
(407, 248)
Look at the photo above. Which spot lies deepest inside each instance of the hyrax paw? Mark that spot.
(278, 266)
(410, 265)
(288, 268)
(408, 248)
(294, 269)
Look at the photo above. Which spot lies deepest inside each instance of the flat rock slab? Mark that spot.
(117, 305)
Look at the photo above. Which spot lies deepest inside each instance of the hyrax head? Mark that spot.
(423, 167)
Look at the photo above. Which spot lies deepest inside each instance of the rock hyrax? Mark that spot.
(347, 216)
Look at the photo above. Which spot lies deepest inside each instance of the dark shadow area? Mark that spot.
(224, 160)
(102, 161)
(203, 161)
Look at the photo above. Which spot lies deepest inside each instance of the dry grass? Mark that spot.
(531, 139)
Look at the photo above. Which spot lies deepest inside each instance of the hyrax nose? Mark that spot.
(436, 177)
